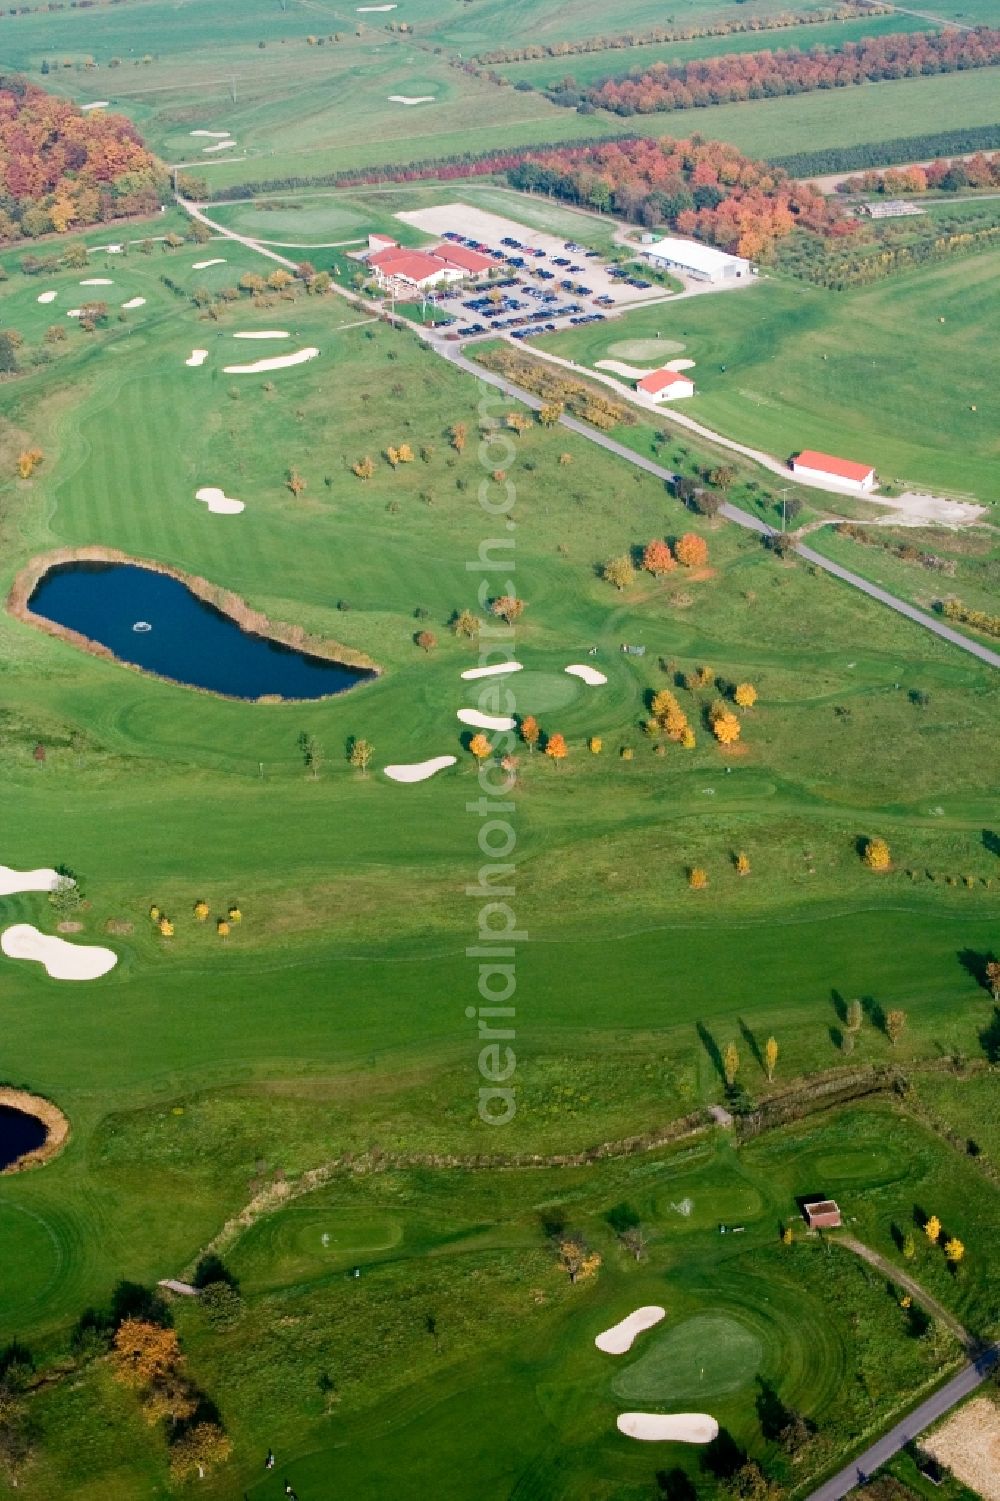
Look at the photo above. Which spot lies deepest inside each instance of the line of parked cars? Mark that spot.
(508, 314)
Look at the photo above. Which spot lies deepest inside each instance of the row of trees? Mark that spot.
(897, 149)
(941, 176)
(980, 620)
(727, 26)
(658, 558)
(703, 188)
(769, 74)
(61, 167)
(898, 245)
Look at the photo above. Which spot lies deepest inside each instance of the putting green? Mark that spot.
(645, 349)
(542, 692)
(705, 1357)
(309, 1241)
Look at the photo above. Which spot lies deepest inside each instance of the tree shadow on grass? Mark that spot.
(989, 1037)
(772, 1414)
(991, 842)
(711, 1047)
(839, 1006)
(974, 963)
(723, 1456)
(874, 1012)
(676, 1485)
(752, 1044)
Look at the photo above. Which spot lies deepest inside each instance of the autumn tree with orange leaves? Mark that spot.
(480, 746)
(555, 746)
(657, 558)
(691, 550)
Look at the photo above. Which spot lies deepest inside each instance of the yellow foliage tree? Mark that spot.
(745, 694)
(742, 863)
(932, 1229)
(199, 1450)
(166, 927)
(480, 746)
(404, 453)
(731, 1063)
(201, 910)
(222, 928)
(877, 855)
(726, 729)
(144, 1352)
(154, 913)
(688, 740)
(235, 915)
(364, 468)
(28, 461)
(770, 1056)
(787, 1235)
(577, 1260)
(596, 745)
(697, 878)
(619, 571)
(954, 1250)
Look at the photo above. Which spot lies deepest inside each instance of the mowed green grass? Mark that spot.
(783, 366)
(334, 1019)
(458, 1283)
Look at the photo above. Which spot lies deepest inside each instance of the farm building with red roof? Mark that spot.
(666, 385)
(473, 262)
(814, 466)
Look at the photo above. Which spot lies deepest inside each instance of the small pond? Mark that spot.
(180, 636)
(19, 1134)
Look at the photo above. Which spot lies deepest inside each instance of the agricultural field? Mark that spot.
(783, 365)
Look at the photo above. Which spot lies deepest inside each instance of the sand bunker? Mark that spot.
(75, 312)
(98, 281)
(97, 104)
(276, 362)
(219, 135)
(681, 1427)
(42, 879)
(646, 349)
(47, 297)
(587, 674)
(486, 721)
(411, 98)
(198, 357)
(267, 333)
(367, 9)
(617, 367)
(134, 302)
(62, 960)
(492, 672)
(218, 260)
(621, 1336)
(418, 771)
(218, 501)
(220, 146)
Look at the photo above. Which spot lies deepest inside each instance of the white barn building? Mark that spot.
(690, 258)
(815, 467)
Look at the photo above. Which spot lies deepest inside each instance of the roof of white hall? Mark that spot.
(691, 253)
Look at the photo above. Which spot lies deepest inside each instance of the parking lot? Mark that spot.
(547, 282)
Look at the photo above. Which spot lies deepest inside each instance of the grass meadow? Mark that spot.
(783, 366)
(333, 1020)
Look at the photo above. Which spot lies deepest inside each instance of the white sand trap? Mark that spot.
(42, 879)
(620, 1337)
(363, 10)
(98, 281)
(680, 365)
(219, 260)
(47, 297)
(134, 302)
(486, 721)
(276, 362)
(218, 501)
(220, 146)
(62, 960)
(411, 98)
(681, 1427)
(267, 333)
(218, 135)
(588, 674)
(198, 357)
(618, 367)
(75, 312)
(97, 104)
(418, 771)
(492, 672)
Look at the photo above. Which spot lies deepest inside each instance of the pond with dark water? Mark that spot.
(20, 1133)
(179, 636)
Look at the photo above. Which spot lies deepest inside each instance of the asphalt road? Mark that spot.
(862, 1468)
(732, 513)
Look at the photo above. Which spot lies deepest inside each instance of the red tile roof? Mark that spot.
(464, 258)
(379, 257)
(659, 380)
(412, 264)
(826, 463)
